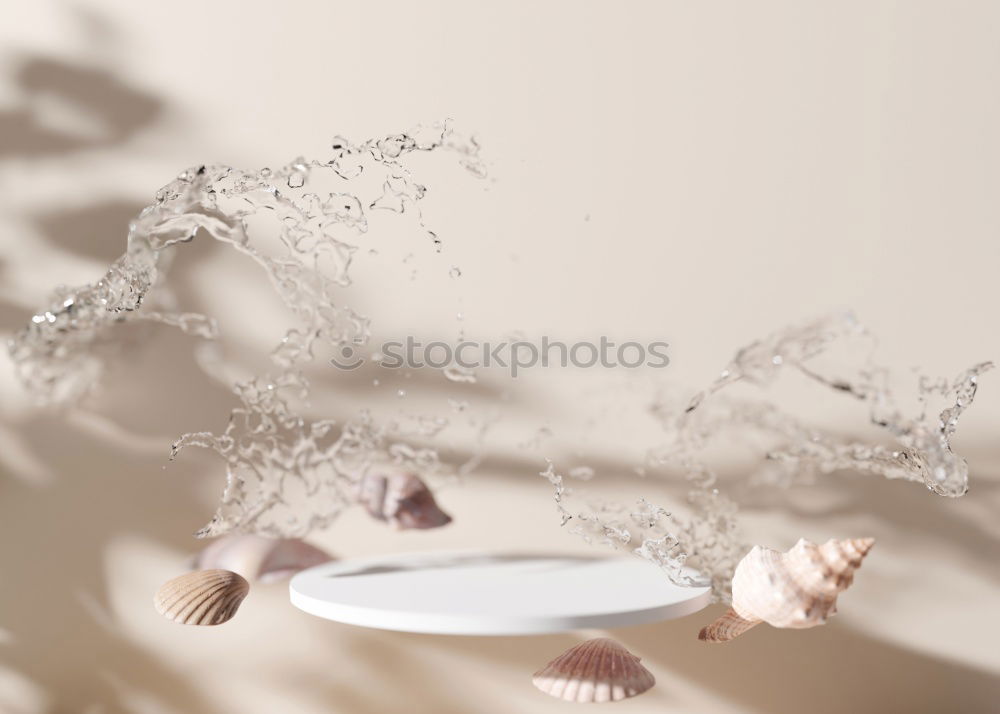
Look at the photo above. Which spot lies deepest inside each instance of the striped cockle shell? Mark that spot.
(203, 597)
(401, 498)
(797, 589)
(599, 670)
(259, 559)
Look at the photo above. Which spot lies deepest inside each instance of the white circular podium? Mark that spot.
(476, 593)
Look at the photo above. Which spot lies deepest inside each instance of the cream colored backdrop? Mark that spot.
(702, 173)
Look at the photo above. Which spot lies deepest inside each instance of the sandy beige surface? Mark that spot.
(697, 173)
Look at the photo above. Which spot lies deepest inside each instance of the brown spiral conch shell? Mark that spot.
(204, 597)
(599, 670)
(259, 559)
(402, 499)
(797, 589)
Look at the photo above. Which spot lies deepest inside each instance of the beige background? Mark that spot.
(696, 172)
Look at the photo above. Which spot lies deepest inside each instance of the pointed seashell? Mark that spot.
(726, 627)
(259, 559)
(204, 597)
(599, 670)
(797, 589)
(402, 499)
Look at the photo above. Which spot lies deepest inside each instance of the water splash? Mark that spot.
(286, 474)
(650, 531)
(707, 537)
(922, 450)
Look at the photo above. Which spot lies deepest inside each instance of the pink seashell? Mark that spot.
(727, 627)
(260, 559)
(797, 589)
(599, 670)
(402, 499)
(204, 597)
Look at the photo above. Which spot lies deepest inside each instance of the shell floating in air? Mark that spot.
(599, 670)
(797, 589)
(204, 597)
(259, 559)
(402, 499)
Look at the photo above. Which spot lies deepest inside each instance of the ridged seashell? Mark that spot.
(204, 597)
(599, 670)
(259, 559)
(797, 589)
(402, 499)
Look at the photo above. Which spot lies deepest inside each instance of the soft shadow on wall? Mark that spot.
(65, 660)
(119, 109)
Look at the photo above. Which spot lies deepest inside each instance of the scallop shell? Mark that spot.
(599, 670)
(204, 597)
(402, 499)
(797, 589)
(259, 559)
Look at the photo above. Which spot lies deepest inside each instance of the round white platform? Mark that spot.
(475, 593)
